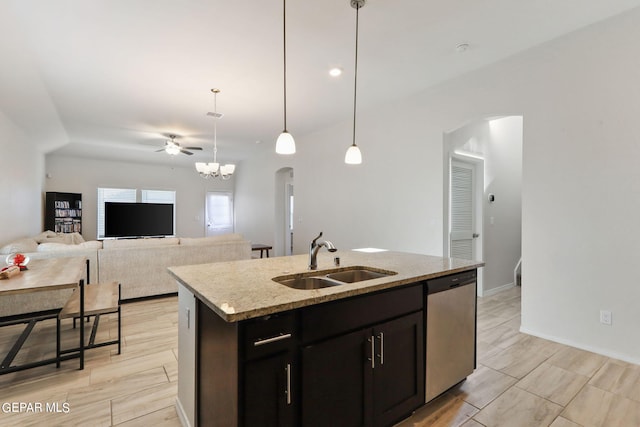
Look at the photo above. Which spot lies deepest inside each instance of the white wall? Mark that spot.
(580, 101)
(80, 175)
(21, 182)
(353, 206)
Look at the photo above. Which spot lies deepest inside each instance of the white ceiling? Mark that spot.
(106, 78)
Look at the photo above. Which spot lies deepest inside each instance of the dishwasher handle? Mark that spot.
(452, 281)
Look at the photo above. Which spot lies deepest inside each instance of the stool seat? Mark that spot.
(100, 298)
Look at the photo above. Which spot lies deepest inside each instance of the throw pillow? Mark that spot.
(25, 245)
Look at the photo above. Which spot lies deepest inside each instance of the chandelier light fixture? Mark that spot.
(353, 155)
(285, 143)
(215, 170)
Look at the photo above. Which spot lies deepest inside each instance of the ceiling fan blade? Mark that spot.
(162, 149)
(188, 153)
(193, 148)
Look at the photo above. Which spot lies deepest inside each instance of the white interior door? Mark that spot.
(462, 218)
(219, 213)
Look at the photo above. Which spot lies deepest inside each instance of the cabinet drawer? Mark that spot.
(269, 334)
(329, 319)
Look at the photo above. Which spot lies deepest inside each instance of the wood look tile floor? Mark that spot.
(520, 380)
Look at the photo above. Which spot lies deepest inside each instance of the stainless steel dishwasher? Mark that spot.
(451, 331)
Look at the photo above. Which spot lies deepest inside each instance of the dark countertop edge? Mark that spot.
(278, 308)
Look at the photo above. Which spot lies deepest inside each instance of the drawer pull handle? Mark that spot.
(288, 391)
(272, 339)
(381, 355)
(373, 352)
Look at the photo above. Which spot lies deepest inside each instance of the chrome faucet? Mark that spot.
(315, 247)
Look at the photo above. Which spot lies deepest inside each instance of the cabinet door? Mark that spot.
(336, 381)
(269, 391)
(399, 369)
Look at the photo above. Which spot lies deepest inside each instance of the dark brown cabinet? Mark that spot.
(268, 391)
(334, 380)
(398, 384)
(353, 362)
(63, 212)
(371, 377)
(269, 371)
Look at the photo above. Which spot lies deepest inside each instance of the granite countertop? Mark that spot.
(239, 290)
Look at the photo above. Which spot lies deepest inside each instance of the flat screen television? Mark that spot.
(138, 219)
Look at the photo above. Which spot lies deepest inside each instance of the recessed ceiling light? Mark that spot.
(335, 71)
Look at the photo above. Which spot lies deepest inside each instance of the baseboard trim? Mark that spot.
(581, 346)
(181, 414)
(493, 291)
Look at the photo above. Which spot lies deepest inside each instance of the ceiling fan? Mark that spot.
(174, 148)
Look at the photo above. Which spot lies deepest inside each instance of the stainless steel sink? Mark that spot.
(351, 276)
(336, 277)
(308, 282)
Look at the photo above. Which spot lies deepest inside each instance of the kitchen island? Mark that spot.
(256, 352)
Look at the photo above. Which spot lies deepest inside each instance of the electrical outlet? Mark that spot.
(605, 317)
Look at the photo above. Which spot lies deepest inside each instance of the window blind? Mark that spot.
(112, 195)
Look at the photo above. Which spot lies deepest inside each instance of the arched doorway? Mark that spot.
(284, 212)
(491, 149)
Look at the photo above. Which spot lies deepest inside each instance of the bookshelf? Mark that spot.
(63, 212)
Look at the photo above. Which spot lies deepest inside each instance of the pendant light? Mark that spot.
(353, 156)
(215, 170)
(285, 143)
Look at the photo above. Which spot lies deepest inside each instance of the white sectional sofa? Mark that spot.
(140, 265)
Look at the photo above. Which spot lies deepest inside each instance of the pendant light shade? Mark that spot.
(285, 143)
(353, 155)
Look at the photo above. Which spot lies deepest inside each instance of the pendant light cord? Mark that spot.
(215, 131)
(355, 80)
(284, 43)
(215, 126)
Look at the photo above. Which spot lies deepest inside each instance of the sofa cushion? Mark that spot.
(55, 247)
(76, 238)
(27, 244)
(91, 244)
(139, 243)
(45, 235)
(205, 241)
(67, 238)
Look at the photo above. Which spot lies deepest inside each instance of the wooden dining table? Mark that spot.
(43, 275)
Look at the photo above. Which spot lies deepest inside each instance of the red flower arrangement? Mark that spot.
(20, 260)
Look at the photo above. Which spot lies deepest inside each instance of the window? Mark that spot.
(131, 195)
(112, 195)
(219, 213)
(158, 196)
